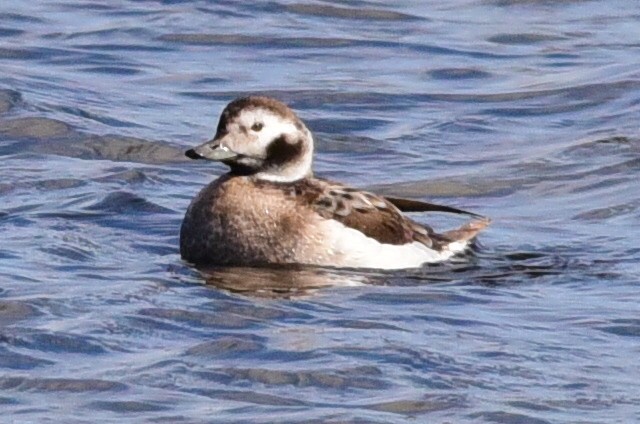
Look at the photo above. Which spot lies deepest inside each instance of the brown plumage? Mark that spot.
(270, 209)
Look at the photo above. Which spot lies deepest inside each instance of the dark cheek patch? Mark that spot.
(222, 125)
(280, 151)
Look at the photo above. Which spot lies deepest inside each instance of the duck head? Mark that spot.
(262, 137)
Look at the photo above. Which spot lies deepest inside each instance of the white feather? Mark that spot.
(275, 126)
(351, 248)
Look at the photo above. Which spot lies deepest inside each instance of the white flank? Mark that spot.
(351, 248)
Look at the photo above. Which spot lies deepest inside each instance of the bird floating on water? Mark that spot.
(270, 209)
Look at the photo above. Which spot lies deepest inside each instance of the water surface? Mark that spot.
(524, 111)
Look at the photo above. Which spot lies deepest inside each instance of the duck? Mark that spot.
(270, 210)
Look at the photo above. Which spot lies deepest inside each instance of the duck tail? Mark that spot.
(459, 238)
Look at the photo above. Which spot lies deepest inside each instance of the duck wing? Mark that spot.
(411, 205)
(372, 215)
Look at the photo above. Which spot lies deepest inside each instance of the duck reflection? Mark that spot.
(283, 281)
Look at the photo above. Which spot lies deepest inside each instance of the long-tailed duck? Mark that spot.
(270, 209)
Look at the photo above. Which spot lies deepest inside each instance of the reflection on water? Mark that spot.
(285, 282)
(523, 111)
(482, 266)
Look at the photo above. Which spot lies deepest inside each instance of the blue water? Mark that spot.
(524, 111)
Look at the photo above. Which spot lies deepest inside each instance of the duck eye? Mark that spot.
(257, 126)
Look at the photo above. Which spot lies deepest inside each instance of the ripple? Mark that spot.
(251, 397)
(196, 319)
(130, 406)
(130, 149)
(361, 13)
(458, 73)
(623, 327)
(20, 17)
(614, 144)
(54, 342)
(86, 146)
(8, 100)
(12, 311)
(112, 70)
(366, 378)
(70, 251)
(59, 385)
(601, 214)
(440, 297)
(60, 184)
(268, 42)
(120, 47)
(37, 128)
(523, 38)
(584, 95)
(8, 401)
(507, 418)
(226, 347)
(417, 407)
(342, 126)
(10, 32)
(18, 54)
(124, 202)
(301, 99)
(17, 361)
(107, 120)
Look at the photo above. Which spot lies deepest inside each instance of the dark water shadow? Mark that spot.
(504, 267)
(50, 136)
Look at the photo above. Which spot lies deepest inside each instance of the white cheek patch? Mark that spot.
(273, 128)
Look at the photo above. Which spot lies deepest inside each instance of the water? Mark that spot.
(525, 111)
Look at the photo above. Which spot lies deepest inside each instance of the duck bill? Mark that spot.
(211, 150)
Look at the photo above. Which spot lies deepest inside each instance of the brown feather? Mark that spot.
(411, 205)
(366, 212)
(374, 216)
